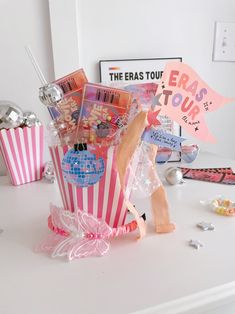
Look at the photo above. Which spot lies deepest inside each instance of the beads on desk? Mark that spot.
(224, 207)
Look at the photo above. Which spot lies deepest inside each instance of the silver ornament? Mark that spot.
(50, 94)
(174, 175)
(205, 226)
(195, 244)
(49, 172)
(11, 116)
(30, 119)
(37, 122)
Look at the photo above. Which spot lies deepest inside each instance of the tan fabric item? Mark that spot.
(160, 206)
(129, 143)
(126, 149)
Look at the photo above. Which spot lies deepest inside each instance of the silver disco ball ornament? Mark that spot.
(30, 119)
(50, 94)
(174, 176)
(11, 116)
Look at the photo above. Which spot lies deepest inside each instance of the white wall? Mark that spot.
(112, 29)
(24, 22)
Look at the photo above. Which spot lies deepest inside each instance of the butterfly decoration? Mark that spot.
(76, 235)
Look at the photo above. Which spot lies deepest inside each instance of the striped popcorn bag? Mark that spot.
(22, 151)
(103, 199)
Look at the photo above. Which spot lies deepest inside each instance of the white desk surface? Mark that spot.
(160, 274)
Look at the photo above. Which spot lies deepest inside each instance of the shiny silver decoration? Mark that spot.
(195, 244)
(11, 116)
(37, 122)
(30, 119)
(49, 172)
(206, 226)
(50, 94)
(174, 175)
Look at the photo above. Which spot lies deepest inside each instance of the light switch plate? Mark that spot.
(224, 42)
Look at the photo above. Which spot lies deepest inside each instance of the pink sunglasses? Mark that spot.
(188, 153)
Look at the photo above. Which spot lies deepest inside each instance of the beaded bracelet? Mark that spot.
(224, 207)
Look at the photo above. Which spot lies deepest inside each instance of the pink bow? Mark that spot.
(80, 235)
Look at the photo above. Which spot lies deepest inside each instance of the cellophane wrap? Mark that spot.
(141, 177)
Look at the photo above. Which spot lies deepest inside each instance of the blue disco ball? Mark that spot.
(82, 168)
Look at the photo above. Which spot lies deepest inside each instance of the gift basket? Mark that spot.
(103, 145)
(99, 160)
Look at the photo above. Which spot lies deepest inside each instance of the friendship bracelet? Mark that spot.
(224, 207)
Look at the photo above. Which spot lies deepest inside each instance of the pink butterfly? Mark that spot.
(87, 235)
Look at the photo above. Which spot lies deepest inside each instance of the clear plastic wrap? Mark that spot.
(143, 172)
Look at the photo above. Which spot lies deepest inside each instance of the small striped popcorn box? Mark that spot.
(22, 151)
(104, 199)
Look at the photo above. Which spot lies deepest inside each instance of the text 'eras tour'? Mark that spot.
(135, 76)
(187, 104)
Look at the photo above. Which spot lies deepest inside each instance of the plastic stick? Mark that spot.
(36, 65)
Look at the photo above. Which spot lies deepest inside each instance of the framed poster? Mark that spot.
(130, 72)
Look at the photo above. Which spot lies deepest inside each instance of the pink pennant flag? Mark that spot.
(185, 98)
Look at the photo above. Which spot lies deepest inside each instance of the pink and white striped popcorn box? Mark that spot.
(104, 199)
(22, 151)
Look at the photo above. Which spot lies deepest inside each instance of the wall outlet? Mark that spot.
(224, 42)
